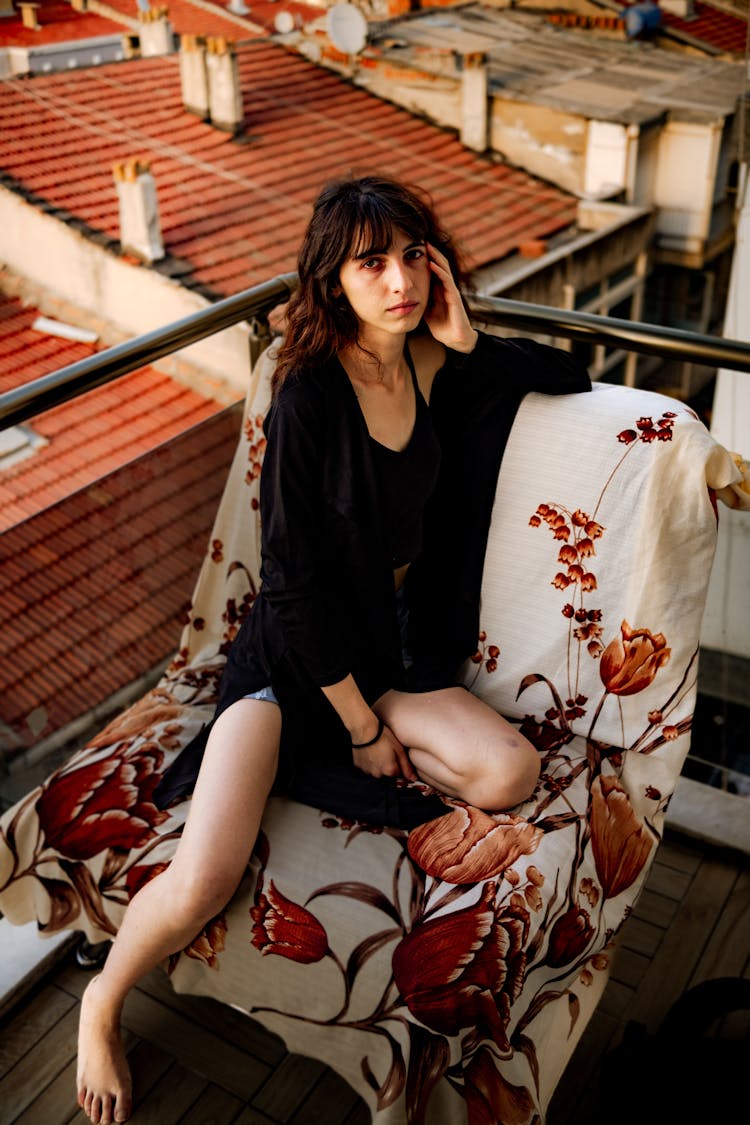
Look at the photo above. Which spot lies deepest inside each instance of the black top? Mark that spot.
(326, 607)
(406, 478)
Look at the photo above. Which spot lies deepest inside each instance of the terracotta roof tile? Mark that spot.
(114, 603)
(59, 23)
(718, 28)
(92, 435)
(234, 210)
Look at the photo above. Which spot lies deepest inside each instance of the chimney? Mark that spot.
(156, 35)
(140, 230)
(685, 9)
(29, 17)
(474, 100)
(224, 96)
(194, 75)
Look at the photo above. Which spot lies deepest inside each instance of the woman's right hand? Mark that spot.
(385, 758)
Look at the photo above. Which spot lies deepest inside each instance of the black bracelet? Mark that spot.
(363, 745)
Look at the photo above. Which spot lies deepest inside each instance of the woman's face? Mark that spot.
(388, 289)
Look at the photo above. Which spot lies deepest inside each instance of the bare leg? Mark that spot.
(461, 746)
(236, 776)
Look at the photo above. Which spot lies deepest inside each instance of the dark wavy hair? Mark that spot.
(349, 216)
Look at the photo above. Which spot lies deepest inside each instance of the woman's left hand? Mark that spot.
(446, 316)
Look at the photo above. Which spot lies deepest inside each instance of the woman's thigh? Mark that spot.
(236, 775)
(461, 745)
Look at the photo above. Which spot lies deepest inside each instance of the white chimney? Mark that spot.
(474, 92)
(194, 75)
(224, 96)
(140, 229)
(156, 34)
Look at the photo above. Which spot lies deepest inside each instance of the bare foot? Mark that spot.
(104, 1086)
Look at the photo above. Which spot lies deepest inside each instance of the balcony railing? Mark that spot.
(94, 572)
(254, 304)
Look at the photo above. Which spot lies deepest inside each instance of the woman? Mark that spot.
(388, 419)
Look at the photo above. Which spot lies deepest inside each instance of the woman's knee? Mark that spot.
(193, 897)
(512, 780)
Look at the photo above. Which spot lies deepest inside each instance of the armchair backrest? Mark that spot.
(601, 545)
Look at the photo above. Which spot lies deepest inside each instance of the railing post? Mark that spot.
(260, 337)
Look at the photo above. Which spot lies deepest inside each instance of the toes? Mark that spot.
(122, 1113)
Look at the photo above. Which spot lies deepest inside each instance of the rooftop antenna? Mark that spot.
(347, 28)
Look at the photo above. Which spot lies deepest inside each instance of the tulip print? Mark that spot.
(490, 1098)
(630, 662)
(621, 843)
(470, 845)
(104, 804)
(465, 969)
(283, 927)
(570, 936)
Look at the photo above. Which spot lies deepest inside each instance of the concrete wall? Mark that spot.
(134, 299)
(726, 622)
(685, 183)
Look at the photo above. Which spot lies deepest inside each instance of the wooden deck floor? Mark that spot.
(197, 1062)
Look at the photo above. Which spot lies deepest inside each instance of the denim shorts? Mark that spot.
(267, 693)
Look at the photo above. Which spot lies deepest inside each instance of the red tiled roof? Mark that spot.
(234, 210)
(188, 18)
(712, 25)
(92, 435)
(58, 23)
(724, 30)
(94, 591)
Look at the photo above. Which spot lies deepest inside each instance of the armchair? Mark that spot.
(446, 973)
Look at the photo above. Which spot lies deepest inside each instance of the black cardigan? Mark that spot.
(326, 603)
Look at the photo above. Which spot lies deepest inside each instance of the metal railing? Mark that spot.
(23, 403)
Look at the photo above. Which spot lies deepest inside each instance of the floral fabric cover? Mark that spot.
(447, 973)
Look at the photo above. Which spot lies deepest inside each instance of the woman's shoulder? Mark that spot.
(429, 356)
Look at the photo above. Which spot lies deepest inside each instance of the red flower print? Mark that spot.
(570, 935)
(620, 841)
(105, 804)
(568, 554)
(464, 969)
(560, 581)
(594, 530)
(491, 1098)
(469, 845)
(627, 436)
(207, 945)
(545, 736)
(588, 582)
(630, 662)
(283, 927)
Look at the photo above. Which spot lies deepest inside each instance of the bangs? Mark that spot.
(372, 228)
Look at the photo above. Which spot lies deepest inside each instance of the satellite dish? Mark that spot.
(347, 28)
(284, 23)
